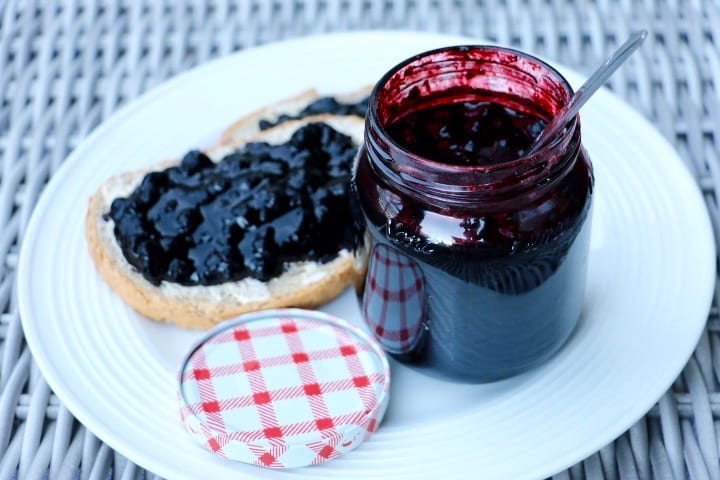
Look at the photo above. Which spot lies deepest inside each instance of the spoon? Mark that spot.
(596, 80)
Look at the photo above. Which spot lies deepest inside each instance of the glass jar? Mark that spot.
(476, 252)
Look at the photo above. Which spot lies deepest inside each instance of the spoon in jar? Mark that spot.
(596, 80)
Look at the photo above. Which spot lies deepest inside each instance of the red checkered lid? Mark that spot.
(283, 388)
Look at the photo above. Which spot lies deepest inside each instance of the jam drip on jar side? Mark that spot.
(503, 259)
(467, 133)
(320, 106)
(259, 208)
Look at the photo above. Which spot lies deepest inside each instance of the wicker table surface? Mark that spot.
(65, 66)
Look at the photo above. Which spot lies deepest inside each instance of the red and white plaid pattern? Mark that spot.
(283, 388)
(394, 299)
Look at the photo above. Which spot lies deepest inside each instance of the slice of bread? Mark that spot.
(249, 126)
(303, 284)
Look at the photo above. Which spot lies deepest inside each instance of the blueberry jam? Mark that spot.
(476, 253)
(248, 215)
(467, 133)
(320, 106)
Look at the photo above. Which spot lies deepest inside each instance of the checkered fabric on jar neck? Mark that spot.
(283, 388)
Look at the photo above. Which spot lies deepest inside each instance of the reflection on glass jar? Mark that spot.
(393, 302)
(489, 246)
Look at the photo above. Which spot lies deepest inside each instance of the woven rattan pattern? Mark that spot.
(65, 66)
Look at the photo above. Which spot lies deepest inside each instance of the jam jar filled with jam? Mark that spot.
(476, 251)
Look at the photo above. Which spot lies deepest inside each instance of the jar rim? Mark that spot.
(441, 167)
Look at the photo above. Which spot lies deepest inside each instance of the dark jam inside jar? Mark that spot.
(467, 133)
(476, 253)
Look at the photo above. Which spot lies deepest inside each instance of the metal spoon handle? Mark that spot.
(597, 79)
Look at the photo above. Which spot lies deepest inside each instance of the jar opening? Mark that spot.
(472, 75)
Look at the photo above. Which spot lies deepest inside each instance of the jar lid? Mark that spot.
(283, 388)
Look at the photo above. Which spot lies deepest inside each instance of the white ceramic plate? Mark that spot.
(650, 280)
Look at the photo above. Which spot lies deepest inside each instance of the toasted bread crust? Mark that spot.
(248, 126)
(304, 284)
